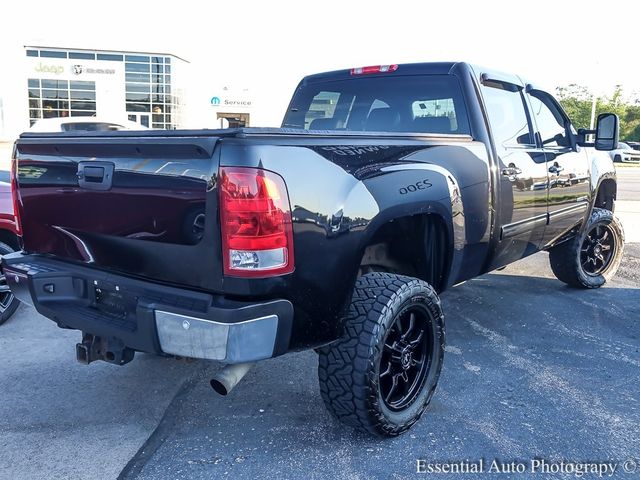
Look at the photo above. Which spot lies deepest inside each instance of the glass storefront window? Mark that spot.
(137, 97)
(109, 56)
(52, 54)
(51, 113)
(145, 76)
(137, 77)
(52, 100)
(55, 94)
(137, 88)
(82, 55)
(82, 113)
(136, 67)
(138, 107)
(82, 95)
(137, 58)
(83, 105)
(79, 85)
(54, 105)
(55, 84)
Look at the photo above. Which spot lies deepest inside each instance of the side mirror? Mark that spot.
(607, 132)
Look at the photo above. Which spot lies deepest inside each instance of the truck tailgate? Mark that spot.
(143, 206)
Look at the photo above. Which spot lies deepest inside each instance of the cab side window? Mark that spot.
(507, 115)
(549, 120)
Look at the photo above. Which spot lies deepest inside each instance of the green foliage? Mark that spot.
(577, 102)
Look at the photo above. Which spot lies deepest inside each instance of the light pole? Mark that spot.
(592, 124)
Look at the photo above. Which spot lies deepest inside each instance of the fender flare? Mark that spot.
(445, 202)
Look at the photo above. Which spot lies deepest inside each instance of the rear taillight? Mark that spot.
(374, 69)
(255, 218)
(14, 193)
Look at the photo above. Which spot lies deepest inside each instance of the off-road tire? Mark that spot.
(10, 303)
(349, 369)
(565, 259)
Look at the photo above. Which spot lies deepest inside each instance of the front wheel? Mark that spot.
(593, 256)
(381, 374)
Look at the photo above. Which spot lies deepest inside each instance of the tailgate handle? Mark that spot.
(95, 175)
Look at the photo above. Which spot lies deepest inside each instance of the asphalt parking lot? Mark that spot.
(533, 370)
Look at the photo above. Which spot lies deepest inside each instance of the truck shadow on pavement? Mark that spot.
(530, 370)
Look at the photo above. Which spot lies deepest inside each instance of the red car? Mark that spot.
(8, 243)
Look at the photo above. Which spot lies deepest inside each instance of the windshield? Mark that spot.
(395, 103)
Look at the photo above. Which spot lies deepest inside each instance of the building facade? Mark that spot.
(142, 87)
(230, 108)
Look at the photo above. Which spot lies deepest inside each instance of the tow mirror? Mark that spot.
(607, 132)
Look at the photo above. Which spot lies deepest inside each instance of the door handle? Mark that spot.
(555, 169)
(511, 171)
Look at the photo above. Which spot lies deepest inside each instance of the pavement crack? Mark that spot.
(165, 426)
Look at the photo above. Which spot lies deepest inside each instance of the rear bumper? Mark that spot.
(150, 317)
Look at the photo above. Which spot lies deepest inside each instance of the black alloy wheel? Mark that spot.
(593, 255)
(598, 248)
(405, 358)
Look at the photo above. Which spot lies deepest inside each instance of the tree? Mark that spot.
(577, 102)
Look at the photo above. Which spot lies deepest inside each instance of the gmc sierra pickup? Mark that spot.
(385, 186)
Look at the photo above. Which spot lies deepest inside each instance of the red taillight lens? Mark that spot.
(14, 192)
(255, 217)
(374, 69)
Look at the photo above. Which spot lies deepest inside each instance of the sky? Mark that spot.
(268, 46)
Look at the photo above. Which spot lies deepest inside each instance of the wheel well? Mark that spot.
(416, 246)
(606, 194)
(10, 239)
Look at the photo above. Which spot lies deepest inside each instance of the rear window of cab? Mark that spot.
(394, 103)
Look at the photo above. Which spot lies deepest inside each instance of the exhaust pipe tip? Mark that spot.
(228, 377)
(219, 387)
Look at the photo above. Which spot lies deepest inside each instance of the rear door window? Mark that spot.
(507, 115)
(412, 104)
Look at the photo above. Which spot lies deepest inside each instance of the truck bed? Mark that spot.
(157, 216)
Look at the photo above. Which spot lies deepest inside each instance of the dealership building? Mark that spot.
(156, 90)
(56, 82)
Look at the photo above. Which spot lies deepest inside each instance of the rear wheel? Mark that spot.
(381, 374)
(592, 257)
(8, 301)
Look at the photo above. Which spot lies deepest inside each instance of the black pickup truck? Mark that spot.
(385, 186)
